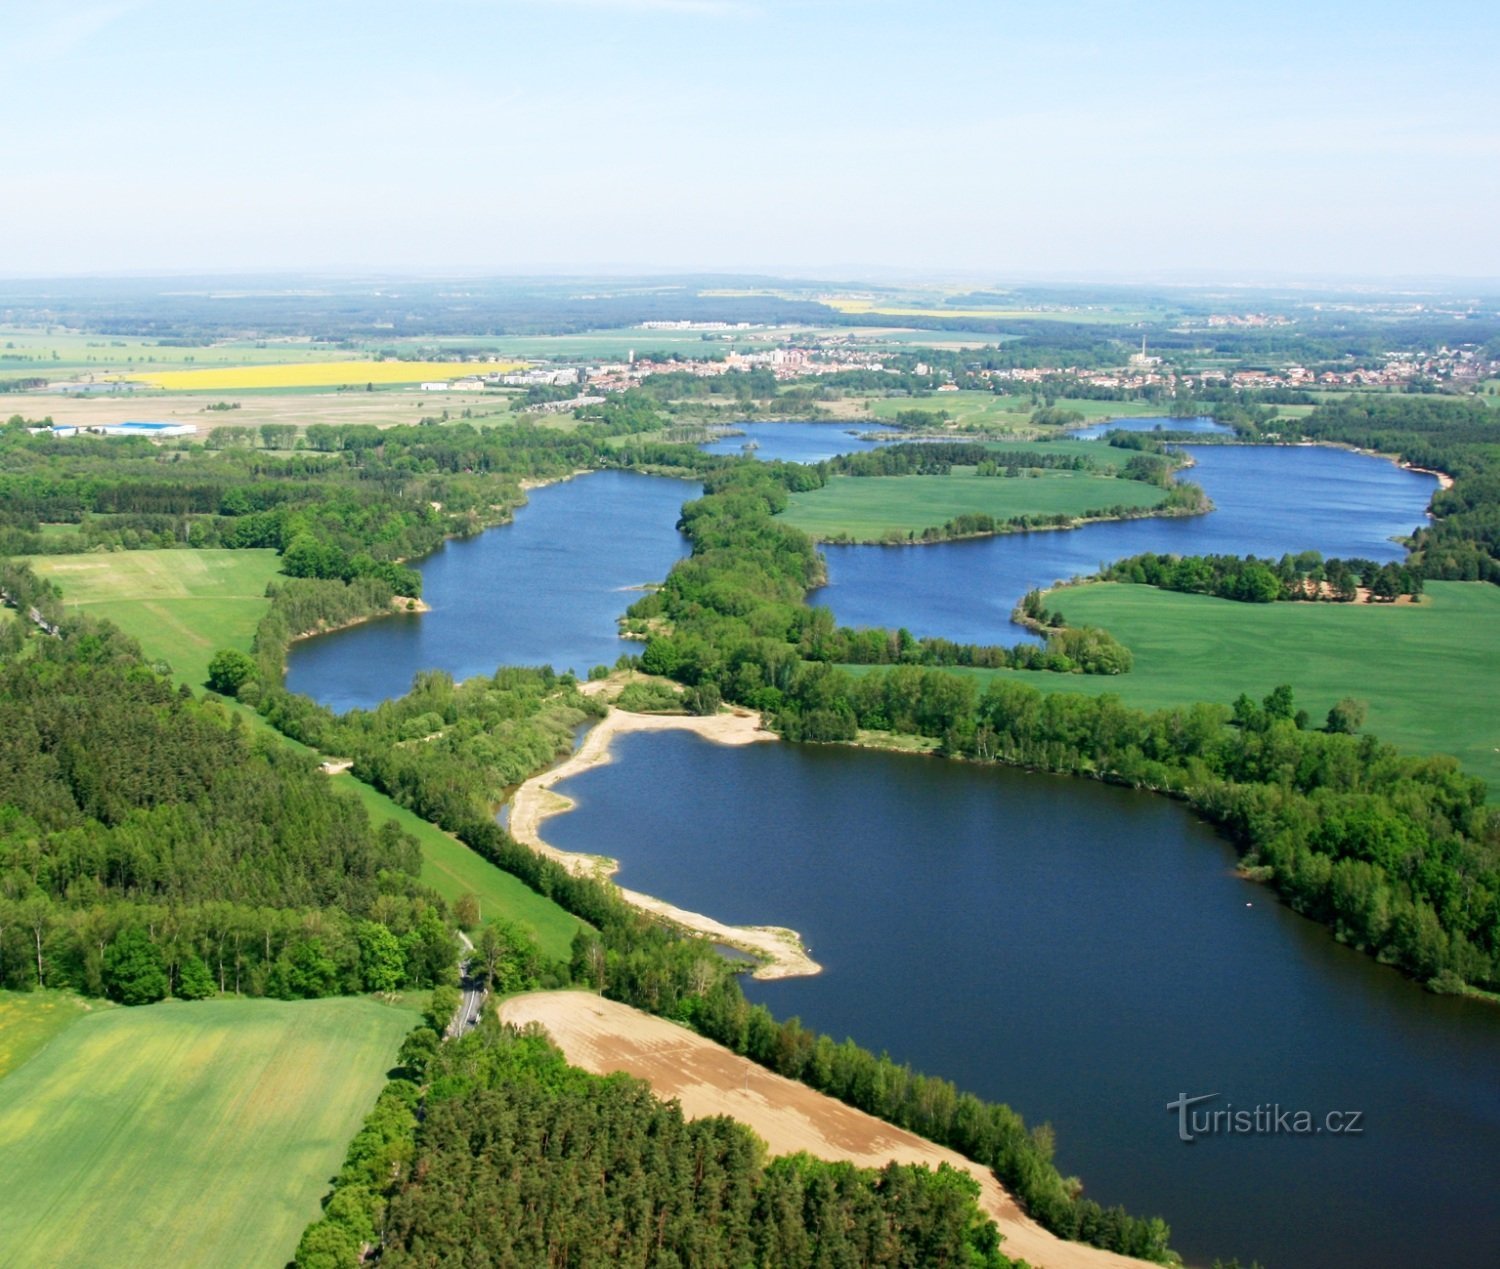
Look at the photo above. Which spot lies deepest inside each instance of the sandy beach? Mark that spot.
(603, 1036)
(782, 950)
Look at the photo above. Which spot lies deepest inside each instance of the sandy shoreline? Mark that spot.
(604, 1036)
(535, 800)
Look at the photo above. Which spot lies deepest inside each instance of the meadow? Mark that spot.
(181, 606)
(186, 1134)
(873, 509)
(1011, 414)
(1430, 672)
(29, 1021)
(452, 869)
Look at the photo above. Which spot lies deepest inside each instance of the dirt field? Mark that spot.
(300, 408)
(707, 1079)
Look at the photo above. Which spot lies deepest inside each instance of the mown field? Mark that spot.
(186, 1134)
(1430, 673)
(452, 869)
(182, 606)
(872, 509)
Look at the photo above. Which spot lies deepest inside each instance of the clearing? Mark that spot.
(182, 606)
(880, 508)
(186, 1134)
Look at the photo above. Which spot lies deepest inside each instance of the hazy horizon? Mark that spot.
(1101, 140)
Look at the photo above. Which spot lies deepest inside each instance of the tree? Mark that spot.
(466, 911)
(1347, 716)
(134, 971)
(382, 963)
(194, 982)
(229, 670)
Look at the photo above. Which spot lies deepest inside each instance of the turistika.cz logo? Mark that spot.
(1260, 1120)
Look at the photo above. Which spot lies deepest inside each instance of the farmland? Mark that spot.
(29, 1021)
(1430, 672)
(182, 606)
(872, 509)
(186, 1134)
(314, 374)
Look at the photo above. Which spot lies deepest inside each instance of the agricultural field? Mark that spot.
(25, 352)
(988, 412)
(315, 374)
(875, 508)
(182, 606)
(31, 1020)
(1430, 672)
(452, 869)
(186, 1134)
(299, 407)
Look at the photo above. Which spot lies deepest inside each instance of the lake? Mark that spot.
(1268, 500)
(546, 589)
(1086, 954)
(798, 442)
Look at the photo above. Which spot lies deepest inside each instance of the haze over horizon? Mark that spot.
(1096, 138)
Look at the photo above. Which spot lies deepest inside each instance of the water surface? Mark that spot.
(1201, 424)
(546, 589)
(799, 442)
(1268, 500)
(1086, 954)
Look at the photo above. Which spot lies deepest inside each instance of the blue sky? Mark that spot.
(987, 138)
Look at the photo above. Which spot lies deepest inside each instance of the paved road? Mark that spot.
(474, 993)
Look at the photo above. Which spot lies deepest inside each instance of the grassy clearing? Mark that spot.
(452, 869)
(186, 1134)
(873, 509)
(1431, 673)
(183, 606)
(29, 1021)
(984, 411)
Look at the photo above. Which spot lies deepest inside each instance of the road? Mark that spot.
(474, 992)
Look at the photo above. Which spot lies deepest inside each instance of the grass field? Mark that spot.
(870, 509)
(30, 1020)
(452, 869)
(1431, 673)
(186, 1134)
(183, 606)
(314, 374)
(994, 413)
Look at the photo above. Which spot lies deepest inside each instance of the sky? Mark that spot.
(995, 139)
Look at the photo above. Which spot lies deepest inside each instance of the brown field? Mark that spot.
(707, 1079)
(383, 409)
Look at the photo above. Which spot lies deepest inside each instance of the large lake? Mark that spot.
(546, 589)
(1269, 500)
(1086, 954)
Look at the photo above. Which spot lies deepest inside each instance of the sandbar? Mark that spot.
(782, 949)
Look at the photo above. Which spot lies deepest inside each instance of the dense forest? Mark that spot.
(491, 1150)
(149, 844)
(1305, 577)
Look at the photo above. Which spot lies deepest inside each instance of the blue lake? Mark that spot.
(546, 589)
(1268, 500)
(797, 442)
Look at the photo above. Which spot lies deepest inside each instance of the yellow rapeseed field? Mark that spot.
(315, 374)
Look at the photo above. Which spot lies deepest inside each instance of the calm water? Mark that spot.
(544, 590)
(1201, 424)
(798, 442)
(1086, 954)
(1269, 500)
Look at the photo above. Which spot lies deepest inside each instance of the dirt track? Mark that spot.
(707, 1079)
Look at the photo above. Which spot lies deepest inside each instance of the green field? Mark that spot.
(986, 411)
(183, 606)
(875, 508)
(452, 869)
(1431, 673)
(186, 1134)
(29, 1021)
